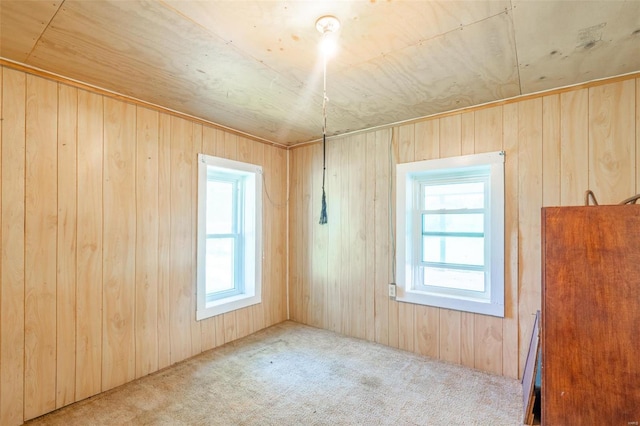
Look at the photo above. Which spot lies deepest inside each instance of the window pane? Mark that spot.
(455, 279)
(453, 222)
(220, 264)
(459, 250)
(447, 196)
(219, 207)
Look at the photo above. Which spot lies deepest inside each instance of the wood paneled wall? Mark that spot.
(557, 146)
(98, 223)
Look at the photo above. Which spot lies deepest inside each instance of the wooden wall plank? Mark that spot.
(381, 234)
(40, 246)
(89, 228)
(196, 326)
(164, 241)
(345, 241)
(394, 314)
(449, 335)
(510, 357)
(574, 148)
(488, 130)
(319, 238)
(611, 141)
(357, 236)
(119, 225)
(13, 216)
(66, 245)
(530, 203)
(294, 234)
(180, 272)
(450, 132)
(147, 253)
(334, 255)
(551, 150)
(369, 236)
(427, 331)
(279, 262)
(427, 140)
(406, 311)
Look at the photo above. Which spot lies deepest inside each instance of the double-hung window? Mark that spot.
(229, 235)
(451, 233)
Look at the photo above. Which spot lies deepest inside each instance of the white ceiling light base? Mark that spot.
(327, 24)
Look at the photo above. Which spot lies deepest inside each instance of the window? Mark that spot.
(229, 264)
(450, 224)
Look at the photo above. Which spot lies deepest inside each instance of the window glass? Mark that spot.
(220, 207)
(456, 250)
(229, 252)
(453, 223)
(448, 196)
(450, 239)
(220, 265)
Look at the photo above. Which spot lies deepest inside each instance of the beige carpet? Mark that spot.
(292, 374)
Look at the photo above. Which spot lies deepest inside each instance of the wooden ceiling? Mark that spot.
(254, 66)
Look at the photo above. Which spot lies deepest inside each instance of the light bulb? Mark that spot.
(328, 45)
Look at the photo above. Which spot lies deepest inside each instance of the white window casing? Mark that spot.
(414, 180)
(245, 234)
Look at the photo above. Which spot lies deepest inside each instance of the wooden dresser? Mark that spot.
(590, 316)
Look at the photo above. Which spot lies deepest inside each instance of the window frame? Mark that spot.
(248, 253)
(411, 179)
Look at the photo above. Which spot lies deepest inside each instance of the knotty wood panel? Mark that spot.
(530, 202)
(164, 240)
(13, 215)
(548, 159)
(510, 330)
(147, 220)
(383, 147)
(89, 228)
(98, 251)
(119, 227)
(611, 141)
(67, 245)
(40, 247)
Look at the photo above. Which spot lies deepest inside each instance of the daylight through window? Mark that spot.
(451, 233)
(229, 235)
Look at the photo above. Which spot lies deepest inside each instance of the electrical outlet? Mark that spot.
(392, 290)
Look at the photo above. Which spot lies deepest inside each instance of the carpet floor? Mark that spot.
(291, 374)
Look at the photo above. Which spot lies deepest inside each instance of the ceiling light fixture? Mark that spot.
(327, 26)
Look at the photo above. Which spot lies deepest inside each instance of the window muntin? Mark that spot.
(450, 240)
(229, 262)
(224, 237)
(452, 212)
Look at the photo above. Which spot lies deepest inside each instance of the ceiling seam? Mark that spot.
(46, 27)
(461, 27)
(513, 31)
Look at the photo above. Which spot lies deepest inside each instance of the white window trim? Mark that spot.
(253, 253)
(406, 173)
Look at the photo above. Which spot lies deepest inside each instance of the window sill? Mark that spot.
(477, 306)
(228, 304)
